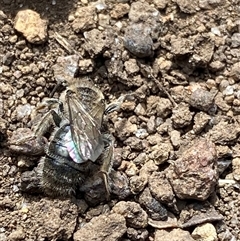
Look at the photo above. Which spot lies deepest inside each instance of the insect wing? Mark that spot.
(84, 129)
(93, 102)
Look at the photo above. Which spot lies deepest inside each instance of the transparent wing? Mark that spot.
(85, 129)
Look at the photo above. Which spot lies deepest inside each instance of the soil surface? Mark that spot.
(176, 167)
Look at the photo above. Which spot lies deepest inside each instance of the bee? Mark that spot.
(78, 148)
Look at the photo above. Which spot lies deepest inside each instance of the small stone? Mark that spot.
(137, 184)
(163, 64)
(86, 66)
(236, 168)
(176, 234)
(181, 116)
(8, 58)
(66, 68)
(160, 4)
(235, 40)
(202, 99)
(13, 39)
(119, 184)
(201, 120)
(33, 28)
(180, 46)
(16, 235)
(142, 11)
(104, 227)
(3, 16)
(155, 209)
(160, 152)
(158, 106)
(97, 41)
(235, 71)
(124, 128)
(194, 175)
(138, 41)
(103, 20)
(161, 189)
(85, 19)
(135, 216)
(21, 44)
(228, 91)
(131, 66)
(175, 138)
(137, 234)
(205, 232)
(23, 111)
(216, 66)
(140, 109)
(151, 124)
(120, 10)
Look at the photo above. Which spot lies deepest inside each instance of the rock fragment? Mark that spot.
(155, 209)
(142, 11)
(66, 68)
(135, 216)
(176, 234)
(224, 132)
(181, 116)
(161, 189)
(235, 71)
(194, 175)
(236, 168)
(120, 10)
(119, 184)
(138, 41)
(105, 227)
(30, 24)
(205, 232)
(17, 234)
(85, 19)
(202, 99)
(137, 234)
(160, 152)
(97, 41)
(201, 120)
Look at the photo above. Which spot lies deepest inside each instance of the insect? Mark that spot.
(78, 148)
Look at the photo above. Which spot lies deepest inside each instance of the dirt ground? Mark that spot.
(176, 167)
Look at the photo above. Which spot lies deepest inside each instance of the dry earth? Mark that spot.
(176, 167)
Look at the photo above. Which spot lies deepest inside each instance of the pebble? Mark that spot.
(66, 68)
(235, 71)
(23, 111)
(181, 116)
(235, 40)
(30, 24)
(194, 175)
(120, 10)
(138, 41)
(8, 58)
(173, 235)
(85, 19)
(205, 232)
(202, 99)
(104, 227)
(135, 216)
(17, 234)
(155, 209)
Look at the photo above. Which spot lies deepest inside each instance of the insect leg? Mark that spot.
(50, 119)
(116, 105)
(107, 162)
